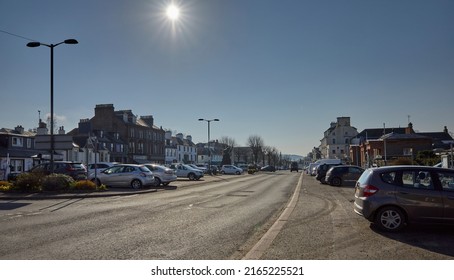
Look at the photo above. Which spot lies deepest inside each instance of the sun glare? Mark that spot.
(173, 12)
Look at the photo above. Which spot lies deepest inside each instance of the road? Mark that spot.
(218, 220)
(212, 220)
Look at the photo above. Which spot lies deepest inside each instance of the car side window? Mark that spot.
(446, 180)
(389, 178)
(417, 179)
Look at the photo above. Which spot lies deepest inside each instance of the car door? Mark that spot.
(111, 176)
(446, 181)
(352, 175)
(419, 197)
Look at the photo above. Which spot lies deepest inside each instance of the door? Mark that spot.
(352, 175)
(417, 194)
(446, 179)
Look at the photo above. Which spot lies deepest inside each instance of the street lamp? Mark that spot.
(209, 151)
(52, 46)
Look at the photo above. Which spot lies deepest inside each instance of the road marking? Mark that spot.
(265, 242)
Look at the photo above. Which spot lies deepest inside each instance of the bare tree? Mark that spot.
(256, 144)
(230, 144)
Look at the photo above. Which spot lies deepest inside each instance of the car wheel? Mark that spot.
(237, 173)
(390, 219)
(222, 172)
(336, 182)
(136, 184)
(157, 182)
(191, 176)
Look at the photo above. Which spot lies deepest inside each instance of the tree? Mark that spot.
(230, 144)
(256, 144)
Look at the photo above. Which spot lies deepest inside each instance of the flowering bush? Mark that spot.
(57, 182)
(29, 181)
(5, 186)
(85, 185)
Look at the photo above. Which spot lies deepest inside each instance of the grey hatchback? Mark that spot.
(394, 196)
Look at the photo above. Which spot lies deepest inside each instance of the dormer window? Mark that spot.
(17, 142)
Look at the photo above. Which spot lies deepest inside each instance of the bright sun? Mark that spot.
(173, 12)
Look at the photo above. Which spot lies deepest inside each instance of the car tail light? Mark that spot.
(171, 172)
(369, 190)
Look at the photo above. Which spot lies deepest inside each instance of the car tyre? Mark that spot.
(336, 182)
(136, 184)
(157, 182)
(390, 219)
(191, 176)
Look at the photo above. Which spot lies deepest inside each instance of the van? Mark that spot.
(313, 166)
(328, 161)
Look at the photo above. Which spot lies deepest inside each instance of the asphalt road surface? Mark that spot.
(200, 220)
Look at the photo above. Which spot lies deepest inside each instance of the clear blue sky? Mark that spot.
(282, 70)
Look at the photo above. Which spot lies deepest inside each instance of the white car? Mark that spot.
(123, 175)
(184, 170)
(99, 167)
(162, 175)
(231, 169)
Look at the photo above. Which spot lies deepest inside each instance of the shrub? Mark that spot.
(5, 186)
(57, 182)
(29, 181)
(402, 161)
(84, 185)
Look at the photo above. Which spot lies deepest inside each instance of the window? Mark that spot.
(389, 177)
(29, 143)
(417, 179)
(408, 151)
(446, 180)
(334, 141)
(18, 142)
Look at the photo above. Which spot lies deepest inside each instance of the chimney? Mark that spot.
(19, 129)
(445, 130)
(409, 129)
(61, 130)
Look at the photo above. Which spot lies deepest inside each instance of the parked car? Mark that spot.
(201, 168)
(99, 166)
(186, 171)
(74, 169)
(162, 175)
(122, 175)
(394, 196)
(294, 166)
(343, 175)
(322, 169)
(268, 168)
(231, 169)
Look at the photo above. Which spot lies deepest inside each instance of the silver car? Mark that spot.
(123, 175)
(162, 175)
(393, 196)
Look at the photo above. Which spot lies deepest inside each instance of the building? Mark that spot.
(179, 149)
(336, 140)
(120, 136)
(380, 146)
(17, 150)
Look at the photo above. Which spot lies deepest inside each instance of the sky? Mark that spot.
(280, 69)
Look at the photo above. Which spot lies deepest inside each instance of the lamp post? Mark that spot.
(52, 46)
(209, 151)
